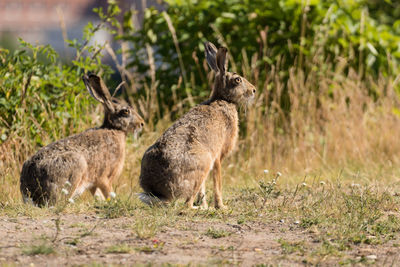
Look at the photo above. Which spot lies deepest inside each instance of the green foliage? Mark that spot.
(42, 98)
(34, 88)
(264, 34)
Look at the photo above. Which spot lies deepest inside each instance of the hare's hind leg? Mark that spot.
(79, 177)
(218, 185)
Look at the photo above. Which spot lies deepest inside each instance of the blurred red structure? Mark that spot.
(45, 21)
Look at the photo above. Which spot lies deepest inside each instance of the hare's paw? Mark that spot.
(189, 205)
(204, 205)
(220, 206)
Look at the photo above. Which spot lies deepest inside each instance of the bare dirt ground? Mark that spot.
(91, 240)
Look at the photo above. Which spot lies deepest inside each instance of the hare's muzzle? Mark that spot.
(251, 90)
(138, 127)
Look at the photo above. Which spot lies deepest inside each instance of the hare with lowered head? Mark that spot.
(89, 160)
(179, 162)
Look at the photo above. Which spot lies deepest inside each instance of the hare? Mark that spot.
(178, 163)
(89, 160)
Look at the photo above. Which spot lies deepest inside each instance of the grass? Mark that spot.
(321, 222)
(146, 228)
(340, 213)
(42, 248)
(118, 249)
(217, 233)
(114, 208)
(291, 247)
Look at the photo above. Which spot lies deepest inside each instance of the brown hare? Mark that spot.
(89, 160)
(178, 163)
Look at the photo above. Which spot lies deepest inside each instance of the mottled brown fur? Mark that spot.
(179, 162)
(89, 160)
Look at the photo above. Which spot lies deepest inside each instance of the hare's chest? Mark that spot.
(118, 167)
(231, 138)
(231, 142)
(118, 159)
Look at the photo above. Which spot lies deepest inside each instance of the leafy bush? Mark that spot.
(364, 33)
(40, 96)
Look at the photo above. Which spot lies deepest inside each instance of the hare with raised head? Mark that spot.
(88, 160)
(178, 163)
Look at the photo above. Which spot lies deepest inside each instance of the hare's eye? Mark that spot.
(238, 80)
(124, 112)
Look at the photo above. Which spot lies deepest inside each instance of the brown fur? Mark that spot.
(179, 162)
(89, 160)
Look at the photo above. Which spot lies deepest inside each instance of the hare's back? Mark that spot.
(203, 124)
(96, 146)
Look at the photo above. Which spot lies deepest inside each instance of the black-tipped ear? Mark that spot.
(98, 90)
(211, 52)
(222, 59)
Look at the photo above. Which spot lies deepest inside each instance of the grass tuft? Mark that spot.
(115, 208)
(292, 247)
(119, 249)
(43, 248)
(217, 233)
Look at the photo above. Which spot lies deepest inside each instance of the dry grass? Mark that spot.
(333, 122)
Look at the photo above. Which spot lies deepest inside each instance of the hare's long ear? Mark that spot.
(222, 60)
(211, 53)
(98, 90)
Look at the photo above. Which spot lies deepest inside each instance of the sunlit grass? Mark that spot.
(333, 211)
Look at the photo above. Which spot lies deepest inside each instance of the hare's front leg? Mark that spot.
(78, 188)
(96, 192)
(201, 196)
(104, 184)
(218, 185)
(198, 187)
(190, 200)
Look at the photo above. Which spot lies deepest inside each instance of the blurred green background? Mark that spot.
(157, 49)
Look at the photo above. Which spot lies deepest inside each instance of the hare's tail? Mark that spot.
(26, 195)
(149, 199)
(27, 200)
